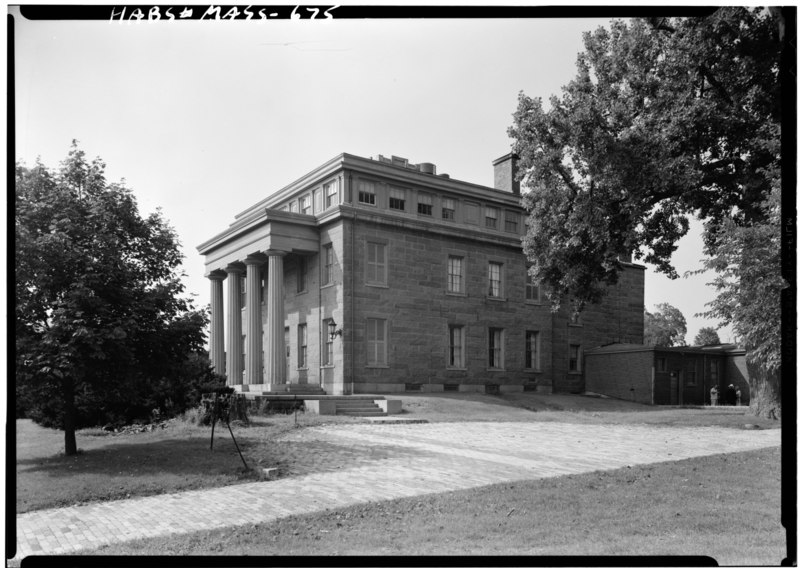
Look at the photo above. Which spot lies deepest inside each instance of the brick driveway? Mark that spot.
(341, 465)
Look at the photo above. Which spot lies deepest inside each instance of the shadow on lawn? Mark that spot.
(189, 456)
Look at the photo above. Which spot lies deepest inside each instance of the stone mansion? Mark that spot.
(375, 275)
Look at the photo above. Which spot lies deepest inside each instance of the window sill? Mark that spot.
(496, 299)
(329, 285)
(574, 372)
(533, 302)
(326, 366)
(495, 369)
(377, 367)
(575, 325)
(300, 293)
(458, 294)
(376, 285)
(533, 371)
(455, 368)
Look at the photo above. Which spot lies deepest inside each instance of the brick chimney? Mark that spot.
(505, 173)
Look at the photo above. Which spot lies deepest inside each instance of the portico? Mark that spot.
(250, 257)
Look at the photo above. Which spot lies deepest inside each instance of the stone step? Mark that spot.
(377, 412)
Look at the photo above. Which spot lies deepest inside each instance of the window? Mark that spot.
(495, 348)
(366, 192)
(317, 201)
(376, 341)
(293, 207)
(714, 371)
(327, 344)
(491, 217)
(397, 199)
(455, 274)
(532, 292)
(661, 364)
(575, 358)
(691, 373)
(305, 205)
(532, 350)
(331, 194)
(448, 209)
(302, 346)
(512, 222)
(327, 264)
(495, 280)
(424, 204)
(455, 356)
(302, 274)
(376, 263)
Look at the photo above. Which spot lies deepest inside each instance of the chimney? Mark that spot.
(505, 173)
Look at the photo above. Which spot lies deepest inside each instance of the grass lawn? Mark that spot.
(724, 506)
(111, 467)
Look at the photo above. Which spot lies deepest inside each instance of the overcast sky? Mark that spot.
(203, 119)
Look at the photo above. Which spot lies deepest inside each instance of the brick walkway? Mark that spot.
(398, 460)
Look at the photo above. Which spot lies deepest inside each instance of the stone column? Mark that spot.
(253, 364)
(234, 366)
(276, 342)
(217, 335)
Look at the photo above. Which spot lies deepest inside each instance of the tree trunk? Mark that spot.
(765, 391)
(70, 445)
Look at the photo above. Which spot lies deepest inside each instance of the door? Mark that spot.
(288, 356)
(674, 385)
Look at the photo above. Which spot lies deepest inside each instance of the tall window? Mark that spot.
(532, 292)
(327, 264)
(376, 263)
(376, 341)
(575, 358)
(448, 209)
(714, 371)
(532, 350)
(455, 274)
(424, 204)
(512, 222)
(455, 356)
(327, 344)
(293, 207)
(491, 217)
(302, 274)
(495, 280)
(691, 372)
(495, 348)
(305, 205)
(397, 199)
(302, 346)
(331, 194)
(366, 192)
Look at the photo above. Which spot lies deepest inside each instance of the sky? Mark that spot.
(203, 119)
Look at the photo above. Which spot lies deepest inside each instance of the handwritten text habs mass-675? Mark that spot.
(155, 13)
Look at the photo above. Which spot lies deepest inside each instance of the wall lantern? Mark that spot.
(332, 331)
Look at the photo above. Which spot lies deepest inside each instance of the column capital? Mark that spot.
(235, 268)
(217, 275)
(276, 253)
(255, 259)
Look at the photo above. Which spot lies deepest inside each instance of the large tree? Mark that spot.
(666, 327)
(706, 336)
(667, 118)
(103, 331)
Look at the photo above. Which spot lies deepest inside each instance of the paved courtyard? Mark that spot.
(347, 464)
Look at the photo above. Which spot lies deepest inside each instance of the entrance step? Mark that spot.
(358, 408)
